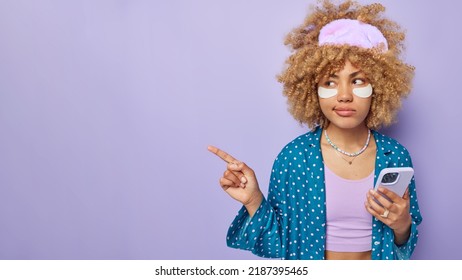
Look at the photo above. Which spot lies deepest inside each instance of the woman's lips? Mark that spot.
(344, 112)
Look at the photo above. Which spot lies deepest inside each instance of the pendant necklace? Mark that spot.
(353, 155)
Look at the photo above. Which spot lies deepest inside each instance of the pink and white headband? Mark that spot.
(352, 32)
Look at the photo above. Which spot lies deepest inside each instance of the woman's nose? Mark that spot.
(345, 93)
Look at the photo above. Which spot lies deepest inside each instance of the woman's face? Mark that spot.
(345, 97)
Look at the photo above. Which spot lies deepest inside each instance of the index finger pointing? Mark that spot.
(222, 154)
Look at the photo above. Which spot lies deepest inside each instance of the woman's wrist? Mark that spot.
(402, 234)
(254, 203)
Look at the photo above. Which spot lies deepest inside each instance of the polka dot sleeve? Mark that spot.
(404, 251)
(259, 234)
(393, 154)
(290, 222)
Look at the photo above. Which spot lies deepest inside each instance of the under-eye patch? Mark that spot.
(363, 92)
(327, 92)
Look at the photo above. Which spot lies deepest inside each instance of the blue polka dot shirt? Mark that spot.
(291, 222)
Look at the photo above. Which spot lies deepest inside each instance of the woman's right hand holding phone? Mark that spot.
(239, 181)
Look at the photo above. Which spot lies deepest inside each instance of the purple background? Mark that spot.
(107, 107)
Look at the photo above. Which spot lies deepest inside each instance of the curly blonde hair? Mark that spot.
(391, 78)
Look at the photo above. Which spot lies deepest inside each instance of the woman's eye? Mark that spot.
(330, 84)
(358, 82)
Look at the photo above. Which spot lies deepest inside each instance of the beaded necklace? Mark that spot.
(347, 153)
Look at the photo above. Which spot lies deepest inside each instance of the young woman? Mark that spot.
(344, 80)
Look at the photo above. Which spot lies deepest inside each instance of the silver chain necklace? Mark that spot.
(347, 153)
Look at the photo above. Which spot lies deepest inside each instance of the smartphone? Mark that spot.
(396, 179)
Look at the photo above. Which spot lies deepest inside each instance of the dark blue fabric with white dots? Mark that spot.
(291, 222)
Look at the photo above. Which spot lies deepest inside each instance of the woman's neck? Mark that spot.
(348, 139)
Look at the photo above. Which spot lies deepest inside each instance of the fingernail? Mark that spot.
(243, 180)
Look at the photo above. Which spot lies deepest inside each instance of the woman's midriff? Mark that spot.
(331, 255)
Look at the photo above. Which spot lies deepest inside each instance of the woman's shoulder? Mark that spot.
(304, 142)
(389, 145)
(297, 153)
(296, 149)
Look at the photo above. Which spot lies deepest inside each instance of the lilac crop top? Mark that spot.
(349, 225)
